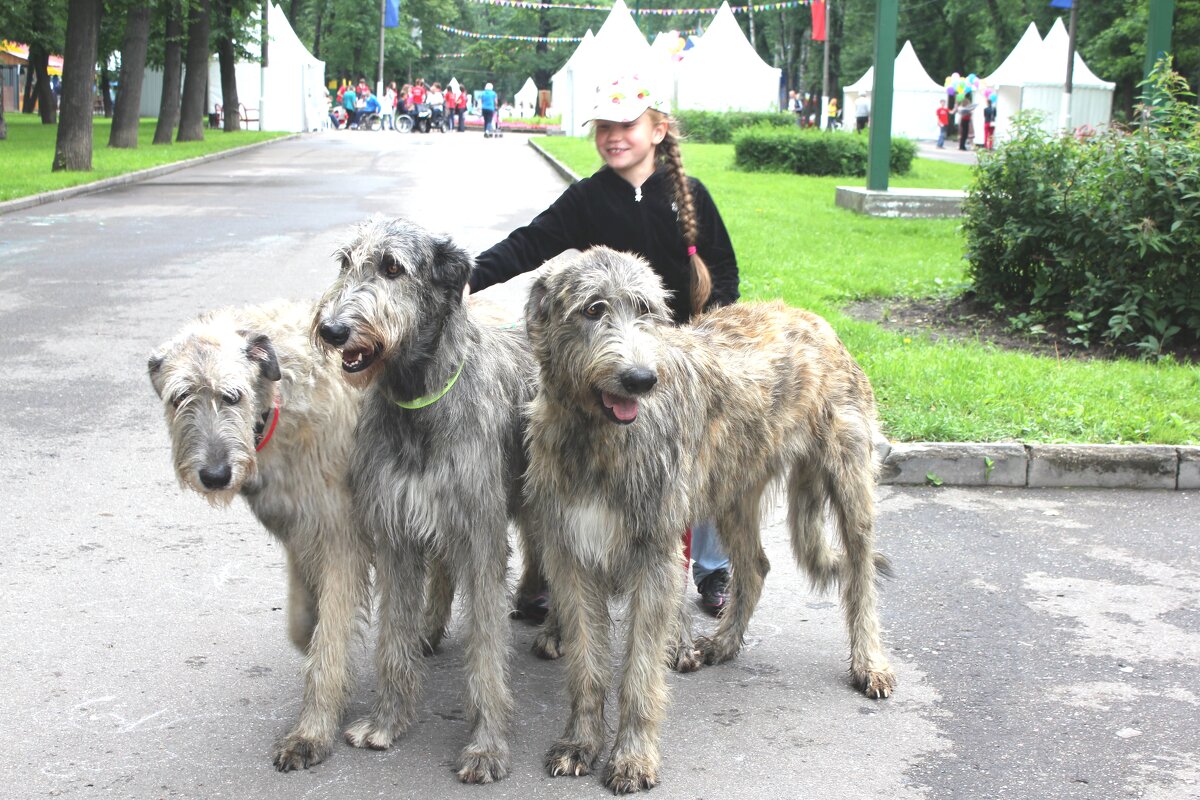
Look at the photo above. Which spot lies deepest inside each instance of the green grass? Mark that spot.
(793, 243)
(26, 156)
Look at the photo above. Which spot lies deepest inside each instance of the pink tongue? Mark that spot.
(624, 410)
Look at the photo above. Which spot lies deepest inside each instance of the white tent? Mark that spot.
(618, 45)
(915, 97)
(291, 86)
(1034, 76)
(723, 71)
(525, 100)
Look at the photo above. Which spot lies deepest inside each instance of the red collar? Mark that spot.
(261, 438)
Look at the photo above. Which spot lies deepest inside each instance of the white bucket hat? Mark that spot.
(626, 98)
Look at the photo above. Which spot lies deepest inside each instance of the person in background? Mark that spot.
(459, 99)
(965, 110)
(640, 201)
(943, 118)
(862, 113)
(418, 93)
(387, 114)
(437, 102)
(794, 106)
(487, 103)
(989, 124)
(831, 120)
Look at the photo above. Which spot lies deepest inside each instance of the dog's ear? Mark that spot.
(537, 307)
(451, 265)
(260, 351)
(154, 367)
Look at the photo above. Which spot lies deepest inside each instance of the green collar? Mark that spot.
(430, 399)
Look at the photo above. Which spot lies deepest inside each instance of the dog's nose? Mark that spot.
(334, 333)
(216, 477)
(638, 380)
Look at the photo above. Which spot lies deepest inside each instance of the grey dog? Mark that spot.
(436, 468)
(254, 410)
(639, 428)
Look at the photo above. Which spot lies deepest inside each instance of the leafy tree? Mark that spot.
(73, 146)
(168, 111)
(124, 131)
(195, 81)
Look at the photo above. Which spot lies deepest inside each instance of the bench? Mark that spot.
(248, 116)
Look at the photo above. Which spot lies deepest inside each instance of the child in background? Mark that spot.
(640, 201)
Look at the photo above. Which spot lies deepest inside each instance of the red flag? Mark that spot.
(818, 19)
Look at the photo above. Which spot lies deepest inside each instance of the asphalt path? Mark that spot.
(1046, 641)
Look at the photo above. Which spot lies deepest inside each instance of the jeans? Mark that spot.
(707, 555)
(488, 115)
(942, 134)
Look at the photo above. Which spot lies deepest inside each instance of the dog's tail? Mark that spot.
(806, 522)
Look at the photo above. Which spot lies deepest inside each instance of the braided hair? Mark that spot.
(668, 154)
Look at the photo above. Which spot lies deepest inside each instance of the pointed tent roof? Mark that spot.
(527, 93)
(908, 74)
(577, 56)
(620, 38)
(723, 71)
(1053, 65)
(1022, 63)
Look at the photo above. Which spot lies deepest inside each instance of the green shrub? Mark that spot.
(717, 127)
(812, 152)
(1100, 234)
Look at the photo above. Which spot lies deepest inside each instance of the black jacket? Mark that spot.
(606, 210)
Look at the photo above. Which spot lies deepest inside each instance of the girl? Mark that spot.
(640, 201)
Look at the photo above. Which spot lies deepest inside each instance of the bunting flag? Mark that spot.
(660, 12)
(391, 15)
(818, 20)
(545, 39)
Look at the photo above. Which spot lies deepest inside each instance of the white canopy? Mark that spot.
(1036, 80)
(915, 96)
(618, 46)
(525, 100)
(723, 71)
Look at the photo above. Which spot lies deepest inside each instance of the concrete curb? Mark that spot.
(562, 169)
(1042, 465)
(104, 184)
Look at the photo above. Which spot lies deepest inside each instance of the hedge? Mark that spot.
(813, 152)
(1100, 234)
(717, 127)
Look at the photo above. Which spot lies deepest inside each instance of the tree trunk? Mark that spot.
(228, 62)
(27, 100)
(3, 122)
(43, 94)
(168, 107)
(73, 148)
(133, 67)
(195, 78)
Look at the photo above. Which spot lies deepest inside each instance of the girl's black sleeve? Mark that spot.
(716, 249)
(558, 228)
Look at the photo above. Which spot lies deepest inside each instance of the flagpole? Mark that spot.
(1065, 116)
(382, 20)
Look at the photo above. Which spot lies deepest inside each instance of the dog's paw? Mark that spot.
(299, 752)
(571, 759)
(628, 774)
(876, 683)
(369, 734)
(475, 766)
(685, 659)
(548, 645)
(715, 650)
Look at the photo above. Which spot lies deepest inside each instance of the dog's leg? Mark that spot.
(739, 531)
(852, 497)
(343, 573)
(654, 597)
(489, 701)
(400, 568)
(439, 600)
(301, 602)
(581, 602)
(682, 653)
